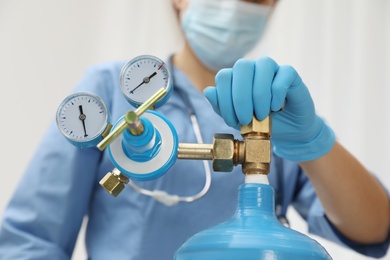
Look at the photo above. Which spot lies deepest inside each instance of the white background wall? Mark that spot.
(340, 48)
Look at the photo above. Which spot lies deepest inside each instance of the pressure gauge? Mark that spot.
(143, 76)
(83, 118)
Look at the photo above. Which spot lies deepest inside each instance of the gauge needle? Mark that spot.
(145, 80)
(82, 117)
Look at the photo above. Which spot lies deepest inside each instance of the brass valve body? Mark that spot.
(254, 152)
(257, 154)
(257, 150)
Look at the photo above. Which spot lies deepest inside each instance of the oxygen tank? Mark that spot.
(253, 233)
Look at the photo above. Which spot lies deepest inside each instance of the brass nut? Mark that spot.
(112, 184)
(223, 148)
(263, 126)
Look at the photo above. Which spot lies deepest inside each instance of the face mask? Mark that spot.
(222, 31)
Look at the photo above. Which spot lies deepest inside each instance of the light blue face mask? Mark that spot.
(222, 31)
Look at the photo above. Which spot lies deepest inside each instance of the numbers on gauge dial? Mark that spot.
(82, 117)
(143, 77)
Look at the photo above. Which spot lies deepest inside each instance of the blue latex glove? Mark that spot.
(258, 87)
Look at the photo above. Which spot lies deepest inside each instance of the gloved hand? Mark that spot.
(258, 87)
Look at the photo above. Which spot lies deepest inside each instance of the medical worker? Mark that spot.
(333, 192)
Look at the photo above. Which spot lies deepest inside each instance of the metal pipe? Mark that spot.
(195, 151)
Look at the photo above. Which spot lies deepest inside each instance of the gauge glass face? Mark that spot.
(82, 117)
(144, 76)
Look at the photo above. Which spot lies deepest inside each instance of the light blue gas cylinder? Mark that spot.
(253, 233)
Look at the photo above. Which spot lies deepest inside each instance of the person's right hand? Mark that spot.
(258, 87)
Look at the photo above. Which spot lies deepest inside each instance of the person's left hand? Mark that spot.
(259, 87)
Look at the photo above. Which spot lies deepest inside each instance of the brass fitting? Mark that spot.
(257, 146)
(114, 182)
(224, 153)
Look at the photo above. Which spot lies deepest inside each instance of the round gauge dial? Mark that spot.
(143, 76)
(82, 118)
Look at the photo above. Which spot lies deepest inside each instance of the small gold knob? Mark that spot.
(131, 120)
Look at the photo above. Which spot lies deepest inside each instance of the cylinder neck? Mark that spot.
(256, 199)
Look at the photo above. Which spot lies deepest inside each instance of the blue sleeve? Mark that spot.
(309, 207)
(44, 215)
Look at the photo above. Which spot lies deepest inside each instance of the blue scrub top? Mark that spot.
(61, 186)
